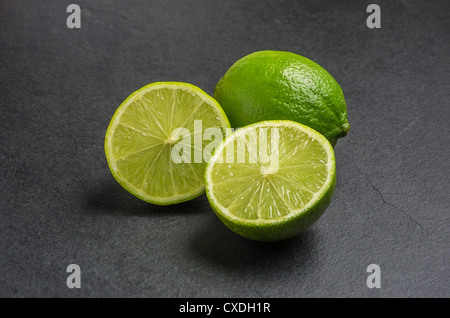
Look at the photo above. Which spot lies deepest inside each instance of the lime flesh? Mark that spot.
(140, 139)
(267, 202)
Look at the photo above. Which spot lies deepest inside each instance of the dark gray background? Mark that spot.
(59, 203)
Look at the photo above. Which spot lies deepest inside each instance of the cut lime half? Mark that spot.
(141, 137)
(271, 180)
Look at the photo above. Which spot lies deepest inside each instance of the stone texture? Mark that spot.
(60, 205)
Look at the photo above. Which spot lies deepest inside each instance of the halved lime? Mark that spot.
(142, 134)
(271, 200)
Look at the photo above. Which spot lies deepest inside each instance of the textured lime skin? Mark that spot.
(280, 229)
(276, 85)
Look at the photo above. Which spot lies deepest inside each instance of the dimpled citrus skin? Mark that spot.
(276, 85)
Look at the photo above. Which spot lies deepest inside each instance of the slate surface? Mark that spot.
(60, 205)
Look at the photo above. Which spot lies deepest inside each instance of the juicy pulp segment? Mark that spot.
(141, 141)
(246, 191)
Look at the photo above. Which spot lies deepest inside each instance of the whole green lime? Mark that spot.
(276, 85)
